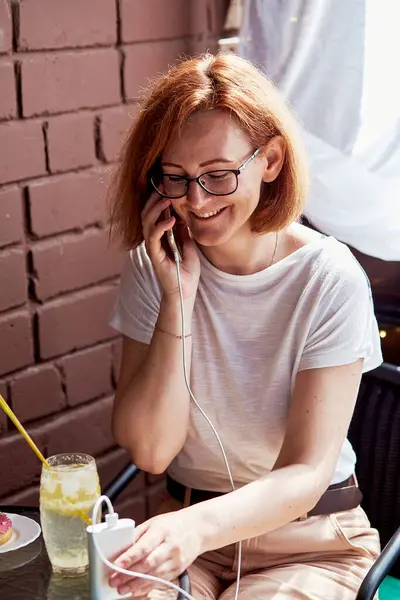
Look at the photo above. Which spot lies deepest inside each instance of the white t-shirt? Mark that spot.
(251, 335)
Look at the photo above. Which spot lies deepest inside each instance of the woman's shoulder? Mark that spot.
(137, 261)
(299, 235)
(326, 258)
(138, 271)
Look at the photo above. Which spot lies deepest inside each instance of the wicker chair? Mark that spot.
(375, 435)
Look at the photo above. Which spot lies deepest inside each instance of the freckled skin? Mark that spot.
(215, 135)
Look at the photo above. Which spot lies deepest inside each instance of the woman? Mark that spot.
(279, 329)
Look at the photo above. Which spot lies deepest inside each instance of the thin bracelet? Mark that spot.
(178, 337)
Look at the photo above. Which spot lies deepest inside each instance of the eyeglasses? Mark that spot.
(216, 183)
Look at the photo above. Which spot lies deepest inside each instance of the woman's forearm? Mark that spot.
(152, 411)
(257, 508)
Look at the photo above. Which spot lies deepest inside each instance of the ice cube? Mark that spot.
(91, 484)
(50, 483)
(88, 482)
(70, 486)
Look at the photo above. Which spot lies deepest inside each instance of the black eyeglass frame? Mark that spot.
(188, 180)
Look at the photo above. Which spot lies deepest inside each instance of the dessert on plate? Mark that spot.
(5, 528)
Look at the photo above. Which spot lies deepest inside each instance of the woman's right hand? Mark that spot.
(153, 230)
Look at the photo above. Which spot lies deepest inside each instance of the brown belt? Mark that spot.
(337, 498)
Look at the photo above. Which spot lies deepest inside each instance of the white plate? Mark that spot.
(25, 531)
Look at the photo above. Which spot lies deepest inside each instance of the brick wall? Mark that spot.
(71, 74)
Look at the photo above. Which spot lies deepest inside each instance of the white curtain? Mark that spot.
(336, 62)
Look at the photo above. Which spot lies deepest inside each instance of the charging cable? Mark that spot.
(112, 517)
(111, 511)
(178, 273)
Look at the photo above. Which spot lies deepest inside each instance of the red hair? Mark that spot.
(224, 81)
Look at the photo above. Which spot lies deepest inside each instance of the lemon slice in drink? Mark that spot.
(70, 506)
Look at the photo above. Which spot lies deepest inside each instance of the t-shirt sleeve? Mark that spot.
(343, 327)
(138, 301)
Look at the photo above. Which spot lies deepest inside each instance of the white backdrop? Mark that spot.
(337, 63)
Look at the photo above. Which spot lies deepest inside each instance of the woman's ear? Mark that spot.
(274, 154)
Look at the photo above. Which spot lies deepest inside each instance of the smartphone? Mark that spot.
(170, 235)
(169, 243)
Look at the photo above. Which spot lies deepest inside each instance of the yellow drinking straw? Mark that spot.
(22, 431)
(32, 444)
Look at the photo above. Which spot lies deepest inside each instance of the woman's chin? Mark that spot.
(210, 239)
(211, 235)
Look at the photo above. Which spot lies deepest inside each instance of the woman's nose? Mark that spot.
(196, 196)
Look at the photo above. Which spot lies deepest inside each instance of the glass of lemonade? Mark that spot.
(68, 492)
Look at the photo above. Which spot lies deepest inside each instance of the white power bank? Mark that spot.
(113, 537)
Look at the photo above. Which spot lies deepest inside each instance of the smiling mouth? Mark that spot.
(208, 215)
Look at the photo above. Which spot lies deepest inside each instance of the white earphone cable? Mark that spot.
(120, 570)
(183, 327)
(99, 501)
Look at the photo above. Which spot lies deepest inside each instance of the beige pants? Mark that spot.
(322, 558)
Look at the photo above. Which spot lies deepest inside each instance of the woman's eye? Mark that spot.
(174, 178)
(219, 176)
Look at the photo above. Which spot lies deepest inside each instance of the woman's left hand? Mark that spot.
(164, 546)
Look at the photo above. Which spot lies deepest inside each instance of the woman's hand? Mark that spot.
(164, 547)
(165, 268)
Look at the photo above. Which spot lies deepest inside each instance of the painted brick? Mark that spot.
(24, 467)
(3, 417)
(25, 155)
(5, 27)
(152, 478)
(59, 82)
(153, 20)
(8, 98)
(110, 465)
(67, 24)
(144, 62)
(87, 374)
(73, 261)
(132, 508)
(11, 217)
(69, 201)
(210, 17)
(136, 487)
(85, 429)
(13, 278)
(37, 392)
(28, 497)
(114, 124)
(117, 352)
(16, 349)
(71, 142)
(75, 321)
(156, 495)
